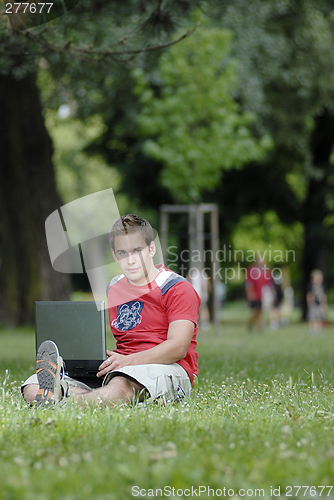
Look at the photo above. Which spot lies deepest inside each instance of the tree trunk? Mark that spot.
(27, 196)
(317, 236)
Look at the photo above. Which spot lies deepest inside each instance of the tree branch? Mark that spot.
(88, 51)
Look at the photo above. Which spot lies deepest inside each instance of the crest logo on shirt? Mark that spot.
(128, 315)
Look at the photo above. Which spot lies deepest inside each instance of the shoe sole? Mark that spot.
(48, 373)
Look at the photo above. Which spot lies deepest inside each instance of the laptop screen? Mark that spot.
(78, 329)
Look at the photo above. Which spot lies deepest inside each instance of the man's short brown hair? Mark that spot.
(129, 224)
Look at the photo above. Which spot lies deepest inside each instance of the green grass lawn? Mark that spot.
(261, 417)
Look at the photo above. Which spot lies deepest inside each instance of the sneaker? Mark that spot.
(64, 387)
(49, 370)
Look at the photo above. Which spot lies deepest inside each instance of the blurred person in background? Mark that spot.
(257, 277)
(316, 301)
(278, 295)
(202, 284)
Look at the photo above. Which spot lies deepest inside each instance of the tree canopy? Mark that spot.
(197, 128)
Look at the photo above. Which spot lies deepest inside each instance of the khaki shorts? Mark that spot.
(169, 382)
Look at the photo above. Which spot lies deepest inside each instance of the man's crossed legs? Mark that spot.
(118, 389)
(126, 385)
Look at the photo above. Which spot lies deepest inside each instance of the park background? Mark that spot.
(237, 113)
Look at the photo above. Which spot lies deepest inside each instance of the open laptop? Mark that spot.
(78, 329)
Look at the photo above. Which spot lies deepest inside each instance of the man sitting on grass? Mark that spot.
(153, 315)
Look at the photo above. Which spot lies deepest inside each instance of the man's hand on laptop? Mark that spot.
(113, 362)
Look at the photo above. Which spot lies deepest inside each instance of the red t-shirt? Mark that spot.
(140, 315)
(257, 278)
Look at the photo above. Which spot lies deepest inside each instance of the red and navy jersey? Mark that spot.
(258, 277)
(140, 315)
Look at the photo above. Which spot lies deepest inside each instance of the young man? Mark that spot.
(153, 315)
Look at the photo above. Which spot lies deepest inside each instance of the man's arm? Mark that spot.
(173, 349)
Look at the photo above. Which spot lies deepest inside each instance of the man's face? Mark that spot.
(135, 258)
